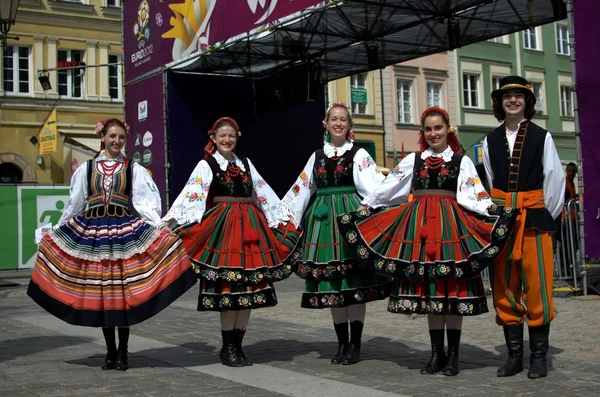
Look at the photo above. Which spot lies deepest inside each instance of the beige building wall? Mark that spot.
(368, 122)
(45, 27)
(411, 87)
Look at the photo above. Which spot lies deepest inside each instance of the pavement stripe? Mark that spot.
(266, 377)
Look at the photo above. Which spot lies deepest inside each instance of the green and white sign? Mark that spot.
(137, 157)
(24, 209)
(358, 95)
(147, 157)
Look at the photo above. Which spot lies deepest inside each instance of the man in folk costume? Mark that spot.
(524, 171)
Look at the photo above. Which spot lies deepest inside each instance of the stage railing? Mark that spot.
(567, 255)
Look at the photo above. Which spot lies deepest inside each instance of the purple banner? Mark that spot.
(145, 22)
(157, 32)
(144, 112)
(249, 14)
(587, 37)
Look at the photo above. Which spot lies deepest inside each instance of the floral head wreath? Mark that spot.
(327, 136)
(210, 147)
(102, 123)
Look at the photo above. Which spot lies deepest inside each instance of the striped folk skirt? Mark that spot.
(236, 256)
(333, 277)
(109, 268)
(429, 238)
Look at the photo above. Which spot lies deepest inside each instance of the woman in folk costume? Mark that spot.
(102, 266)
(339, 174)
(229, 227)
(435, 245)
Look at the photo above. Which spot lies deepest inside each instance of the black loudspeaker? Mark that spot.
(288, 88)
(559, 8)
(373, 56)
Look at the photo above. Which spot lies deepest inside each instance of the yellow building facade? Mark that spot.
(52, 34)
(362, 92)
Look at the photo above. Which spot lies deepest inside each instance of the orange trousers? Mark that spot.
(522, 289)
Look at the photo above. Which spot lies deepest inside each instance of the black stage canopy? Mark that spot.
(341, 38)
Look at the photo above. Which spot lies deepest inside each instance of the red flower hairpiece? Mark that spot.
(100, 126)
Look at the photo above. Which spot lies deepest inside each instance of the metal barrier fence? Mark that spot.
(487, 284)
(567, 255)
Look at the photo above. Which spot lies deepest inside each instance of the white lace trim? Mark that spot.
(331, 150)
(102, 157)
(111, 256)
(446, 154)
(184, 214)
(223, 162)
(287, 208)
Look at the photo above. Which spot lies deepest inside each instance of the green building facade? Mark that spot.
(542, 55)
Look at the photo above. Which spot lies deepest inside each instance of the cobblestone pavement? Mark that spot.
(175, 354)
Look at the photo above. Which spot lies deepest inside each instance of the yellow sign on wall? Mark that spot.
(49, 135)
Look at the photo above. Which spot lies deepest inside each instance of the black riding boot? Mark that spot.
(538, 343)
(228, 352)
(341, 330)
(513, 335)
(122, 358)
(353, 354)
(438, 356)
(451, 368)
(111, 348)
(239, 338)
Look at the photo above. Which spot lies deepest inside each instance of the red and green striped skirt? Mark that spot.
(333, 276)
(430, 238)
(236, 256)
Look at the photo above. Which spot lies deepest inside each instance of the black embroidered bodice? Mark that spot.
(444, 177)
(231, 183)
(334, 171)
(109, 189)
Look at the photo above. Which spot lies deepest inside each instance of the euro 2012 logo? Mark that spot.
(141, 29)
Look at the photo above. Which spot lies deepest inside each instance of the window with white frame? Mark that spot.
(499, 40)
(434, 94)
(496, 82)
(530, 39)
(566, 101)
(359, 93)
(115, 82)
(70, 81)
(470, 90)
(536, 87)
(562, 40)
(15, 73)
(113, 3)
(404, 94)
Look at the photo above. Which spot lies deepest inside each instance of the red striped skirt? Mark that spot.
(109, 271)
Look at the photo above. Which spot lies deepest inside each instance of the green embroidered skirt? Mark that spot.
(333, 277)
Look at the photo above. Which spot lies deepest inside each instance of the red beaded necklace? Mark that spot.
(233, 170)
(109, 170)
(434, 162)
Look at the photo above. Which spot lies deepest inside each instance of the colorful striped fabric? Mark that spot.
(113, 270)
(333, 277)
(237, 256)
(429, 238)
